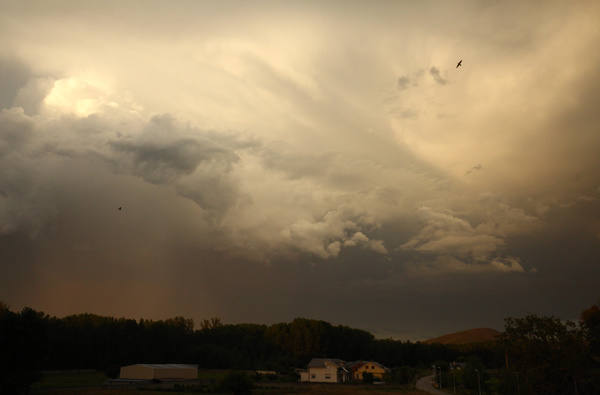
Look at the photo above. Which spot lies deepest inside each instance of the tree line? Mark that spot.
(532, 347)
(534, 355)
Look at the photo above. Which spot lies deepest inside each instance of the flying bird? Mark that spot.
(459, 64)
(120, 208)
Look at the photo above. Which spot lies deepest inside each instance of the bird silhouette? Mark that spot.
(459, 64)
(120, 208)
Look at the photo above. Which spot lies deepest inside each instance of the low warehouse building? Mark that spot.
(167, 371)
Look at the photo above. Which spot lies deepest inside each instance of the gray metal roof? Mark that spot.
(320, 362)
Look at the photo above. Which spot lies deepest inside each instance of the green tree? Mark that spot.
(23, 349)
(474, 374)
(212, 323)
(590, 321)
(400, 375)
(547, 354)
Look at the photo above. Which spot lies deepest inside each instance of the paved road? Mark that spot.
(426, 384)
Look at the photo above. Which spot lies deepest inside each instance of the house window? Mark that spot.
(313, 376)
(327, 376)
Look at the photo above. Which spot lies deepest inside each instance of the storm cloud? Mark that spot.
(267, 176)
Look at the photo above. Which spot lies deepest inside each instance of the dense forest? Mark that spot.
(88, 341)
(535, 347)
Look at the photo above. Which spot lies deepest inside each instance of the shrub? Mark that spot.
(238, 383)
(401, 375)
(112, 371)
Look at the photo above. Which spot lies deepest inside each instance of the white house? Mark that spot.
(325, 370)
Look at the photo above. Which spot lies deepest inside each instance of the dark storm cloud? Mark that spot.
(15, 131)
(424, 305)
(427, 304)
(197, 163)
(435, 73)
(319, 199)
(161, 155)
(13, 76)
(22, 205)
(93, 245)
(20, 87)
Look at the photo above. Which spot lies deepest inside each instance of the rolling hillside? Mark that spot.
(477, 335)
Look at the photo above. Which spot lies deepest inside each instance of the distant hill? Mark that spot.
(477, 335)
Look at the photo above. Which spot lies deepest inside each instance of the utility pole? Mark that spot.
(454, 380)
(478, 381)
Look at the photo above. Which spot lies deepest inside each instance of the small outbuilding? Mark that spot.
(164, 371)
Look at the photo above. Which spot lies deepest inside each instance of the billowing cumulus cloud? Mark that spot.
(264, 151)
(203, 166)
(453, 239)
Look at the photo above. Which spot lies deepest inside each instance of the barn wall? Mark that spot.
(176, 373)
(136, 372)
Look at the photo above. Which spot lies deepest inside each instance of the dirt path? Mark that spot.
(426, 384)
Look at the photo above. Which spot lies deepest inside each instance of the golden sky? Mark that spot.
(316, 159)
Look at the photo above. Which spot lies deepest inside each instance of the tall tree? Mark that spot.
(547, 354)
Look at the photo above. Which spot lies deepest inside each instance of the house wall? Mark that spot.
(304, 377)
(327, 374)
(369, 367)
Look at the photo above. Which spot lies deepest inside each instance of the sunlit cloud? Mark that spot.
(338, 147)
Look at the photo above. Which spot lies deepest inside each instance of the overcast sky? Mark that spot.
(318, 159)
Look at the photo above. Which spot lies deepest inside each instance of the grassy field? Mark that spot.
(290, 389)
(212, 374)
(106, 391)
(71, 378)
(335, 389)
(91, 383)
(94, 378)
